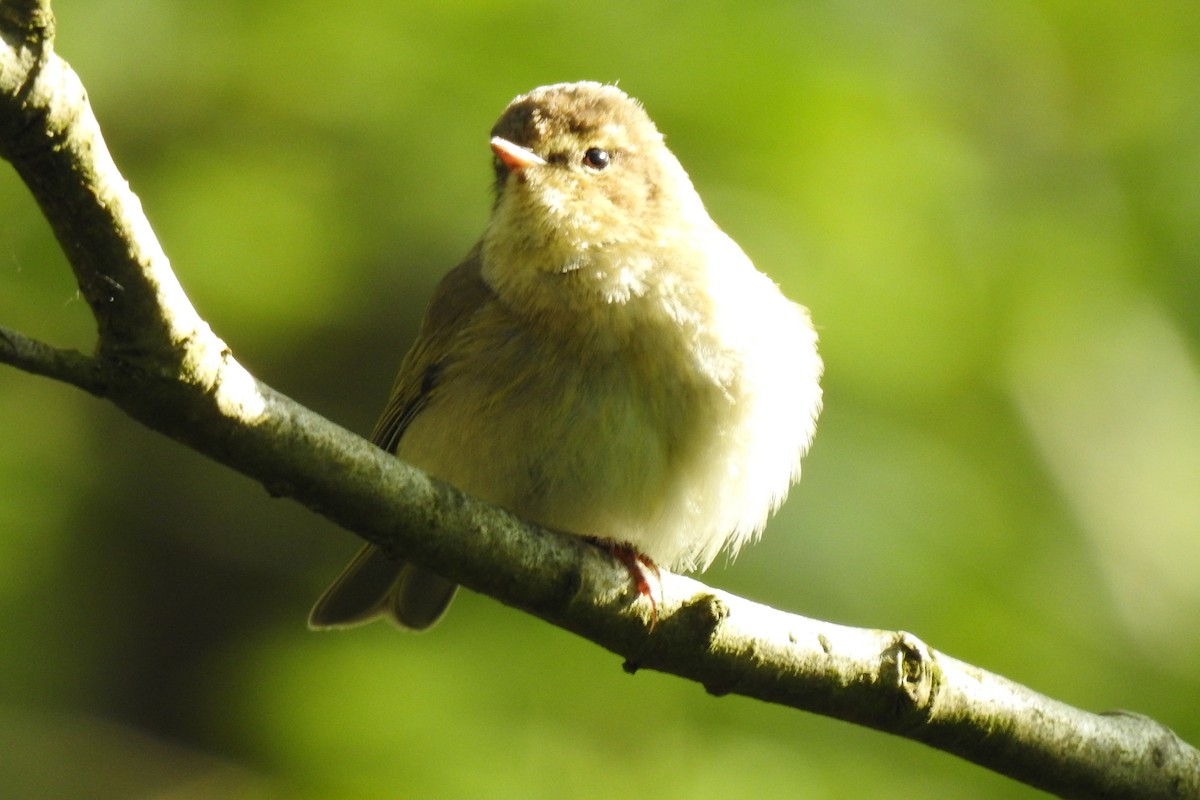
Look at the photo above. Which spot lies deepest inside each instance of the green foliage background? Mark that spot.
(993, 211)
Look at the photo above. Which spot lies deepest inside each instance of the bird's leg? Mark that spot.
(637, 565)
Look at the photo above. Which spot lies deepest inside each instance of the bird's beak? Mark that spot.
(514, 157)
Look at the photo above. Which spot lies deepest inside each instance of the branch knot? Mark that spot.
(910, 666)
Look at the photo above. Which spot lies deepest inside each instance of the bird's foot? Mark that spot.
(639, 567)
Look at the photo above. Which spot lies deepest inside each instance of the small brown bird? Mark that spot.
(605, 361)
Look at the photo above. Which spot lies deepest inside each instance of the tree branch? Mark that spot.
(159, 361)
(39, 358)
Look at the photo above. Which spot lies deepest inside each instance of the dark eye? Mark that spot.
(596, 158)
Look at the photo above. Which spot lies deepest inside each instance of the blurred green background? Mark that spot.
(993, 212)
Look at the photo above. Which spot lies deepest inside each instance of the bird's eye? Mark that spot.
(596, 158)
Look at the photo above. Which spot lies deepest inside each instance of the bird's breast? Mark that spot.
(592, 438)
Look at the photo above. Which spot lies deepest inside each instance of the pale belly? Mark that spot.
(611, 448)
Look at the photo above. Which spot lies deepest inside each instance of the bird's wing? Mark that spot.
(456, 300)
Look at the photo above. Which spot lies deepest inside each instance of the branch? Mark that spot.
(39, 358)
(159, 361)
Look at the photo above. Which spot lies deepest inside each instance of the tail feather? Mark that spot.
(373, 585)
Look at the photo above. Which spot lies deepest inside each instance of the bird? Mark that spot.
(605, 361)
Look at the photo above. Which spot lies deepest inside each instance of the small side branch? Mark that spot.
(39, 358)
